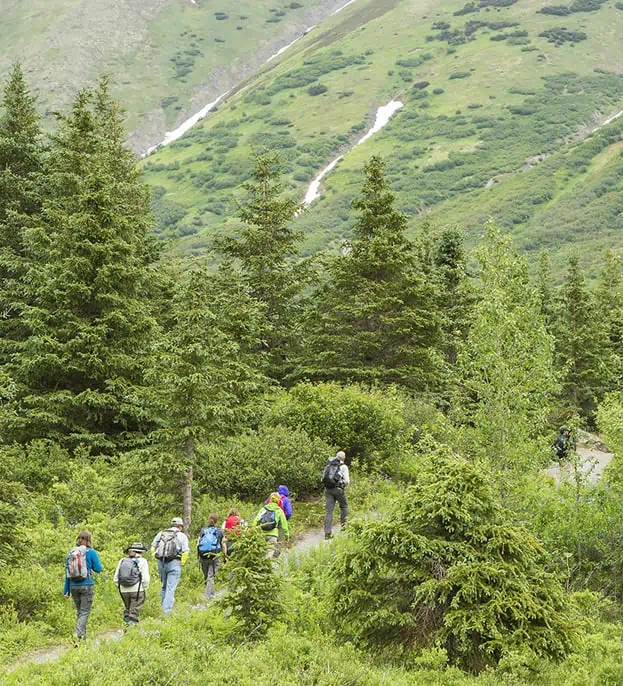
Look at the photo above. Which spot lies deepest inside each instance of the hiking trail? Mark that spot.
(302, 543)
(591, 460)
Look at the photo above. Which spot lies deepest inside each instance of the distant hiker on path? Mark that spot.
(81, 562)
(272, 521)
(171, 550)
(285, 504)
(210, 545)
(563, 443)
(335, 478)
(132, 579)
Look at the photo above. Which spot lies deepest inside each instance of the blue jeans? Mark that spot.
(170, 573)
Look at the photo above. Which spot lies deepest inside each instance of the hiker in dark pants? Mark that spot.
(132, 579)
(80, 564)
(335, 479)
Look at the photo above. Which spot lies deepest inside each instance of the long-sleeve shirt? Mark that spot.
(143, 568)
(93, 565)
(344, 473)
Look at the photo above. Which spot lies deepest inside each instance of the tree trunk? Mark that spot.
(188, 487)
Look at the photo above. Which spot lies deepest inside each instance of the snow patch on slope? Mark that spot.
(383, 115)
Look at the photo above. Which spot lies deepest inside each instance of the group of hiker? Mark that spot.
(171, 549)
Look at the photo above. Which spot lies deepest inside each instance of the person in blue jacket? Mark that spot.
(83, 591)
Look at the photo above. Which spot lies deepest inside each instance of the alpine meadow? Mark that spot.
(311, 342)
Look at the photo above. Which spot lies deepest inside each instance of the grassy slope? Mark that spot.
(469, 122)
(65, 44)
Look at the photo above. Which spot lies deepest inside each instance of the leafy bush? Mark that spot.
(368, 425)
(459, 75)
(561, 35)
(253, 465)
(317, 89)
(463, 577)
(420, 85)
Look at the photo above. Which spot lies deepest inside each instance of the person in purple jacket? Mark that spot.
(82, 589)
(286, 503)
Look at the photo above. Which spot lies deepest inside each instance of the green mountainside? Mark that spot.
(166, 58)
(501, 102)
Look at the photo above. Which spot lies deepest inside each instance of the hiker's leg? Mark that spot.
(162, 573)
(205, 566)
(329, 505)
(212, 570)
(127, 605)
(135, 605)
(174, 572)
(272, 547)
(87, 593)
(341, 498)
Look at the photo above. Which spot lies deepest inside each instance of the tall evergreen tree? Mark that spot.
(505, 378)
(21, 159)
(545, 289)
(206, 371)
(375, 318)
(265, 251)
(455, 293)
(609, 300)
(86, 312)
(582, 346)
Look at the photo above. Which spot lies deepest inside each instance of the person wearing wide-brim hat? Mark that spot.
(132, 580)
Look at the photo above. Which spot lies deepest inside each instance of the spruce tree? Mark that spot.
(582, 345)
(375, 318)
(265, 251)
(545, 289)
(205, 372)
(609, 301)
(21, 159)
(87, 314)
(455, 293)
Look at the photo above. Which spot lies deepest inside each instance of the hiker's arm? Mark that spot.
(96, 564)
(115, 578)
(66, 587)
(183, 540)
(154, 543)
(345, 474)
(145, 576)
(285, 527)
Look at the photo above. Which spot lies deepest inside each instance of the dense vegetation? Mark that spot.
(136, 386)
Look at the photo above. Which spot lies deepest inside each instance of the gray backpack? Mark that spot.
(167, 550)
(129, 572)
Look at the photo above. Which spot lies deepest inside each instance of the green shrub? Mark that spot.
(317, 89)
(459, 75)
(253, 465)
(368, 425)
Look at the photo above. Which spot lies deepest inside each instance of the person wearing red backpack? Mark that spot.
(232, 528)
(82, 560)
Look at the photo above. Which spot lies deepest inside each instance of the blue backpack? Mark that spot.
(209, 542)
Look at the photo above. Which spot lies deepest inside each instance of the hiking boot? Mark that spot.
(328, 536)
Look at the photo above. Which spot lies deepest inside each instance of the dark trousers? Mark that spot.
(132, 604)
(83, 600)
(209, 566)
(332, 496)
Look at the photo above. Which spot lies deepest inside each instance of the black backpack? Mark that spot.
(332, 475)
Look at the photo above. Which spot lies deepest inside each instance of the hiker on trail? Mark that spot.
(210, 545)
(563, 443)
(132, 579)
(284, 503)
(82, 560)
(232, 528)
(335, 478)
(272, 521)
(170, 548)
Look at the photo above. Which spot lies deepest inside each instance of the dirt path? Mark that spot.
(589, 462)
(302, 544)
